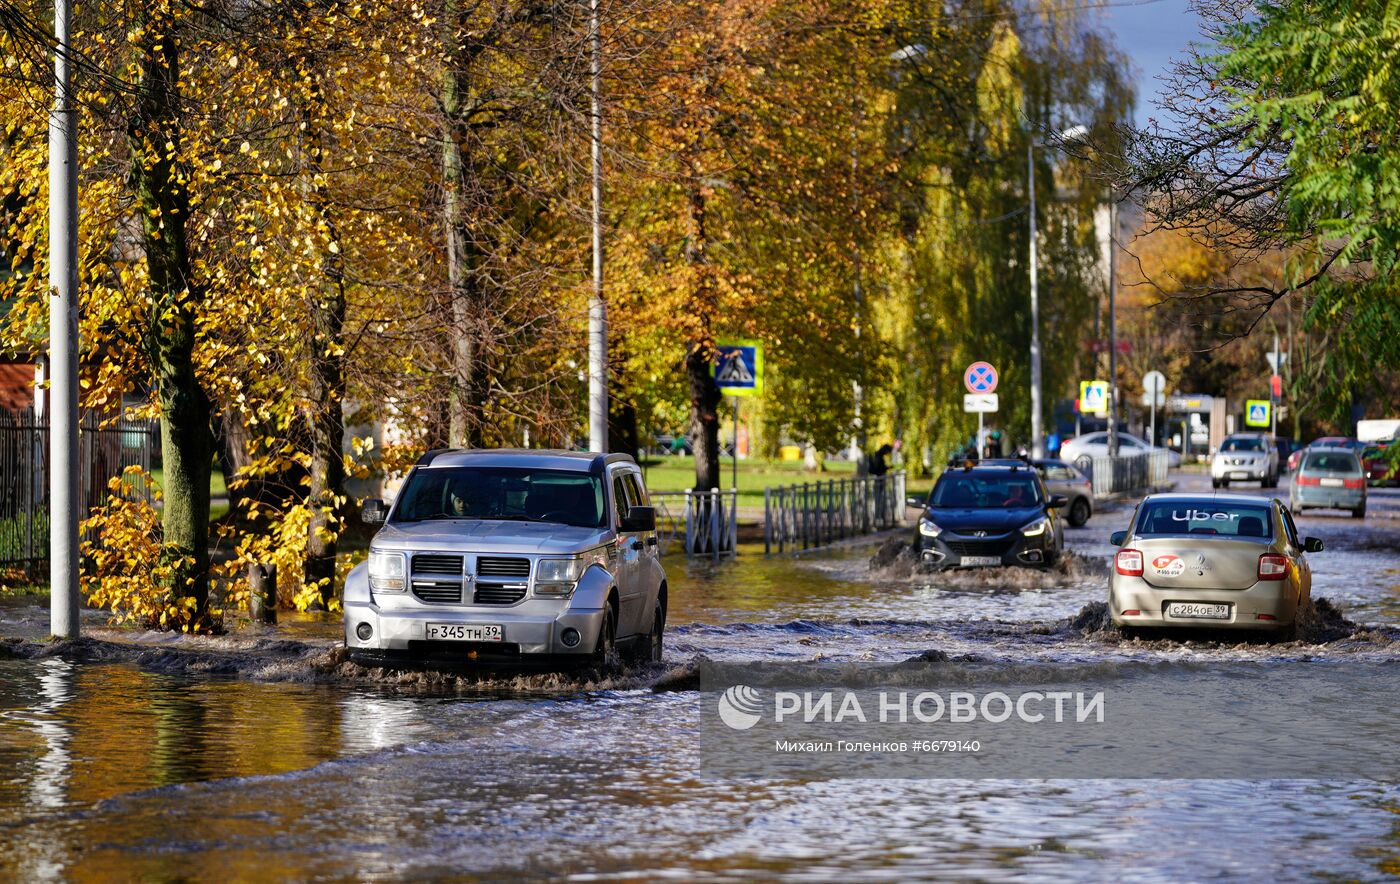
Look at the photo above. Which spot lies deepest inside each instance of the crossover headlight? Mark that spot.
(387, 572)
(1036, 528)
(556, 578)
(928, 529)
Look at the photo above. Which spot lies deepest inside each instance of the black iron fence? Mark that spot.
(818, 513)
(105, 450)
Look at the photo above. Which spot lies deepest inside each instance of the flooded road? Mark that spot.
(301, 767)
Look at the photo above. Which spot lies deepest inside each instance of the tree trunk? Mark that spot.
(163, 204)
(469, 382)
(704, 392)
(326, 496)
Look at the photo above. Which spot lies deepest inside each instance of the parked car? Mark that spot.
(1081, 450)
(989, 515)
(510, 555)
(1375, 460)
(1245, 457)
(1227, 561)
(1324, 442)
(1065, 481)
(1330, 478)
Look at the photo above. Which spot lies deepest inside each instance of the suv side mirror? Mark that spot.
(1058, 501)
(374, 511)
(1117, 538)
(640, 518)
(1312, 544)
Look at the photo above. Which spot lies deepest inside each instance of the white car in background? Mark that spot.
(1081, 450)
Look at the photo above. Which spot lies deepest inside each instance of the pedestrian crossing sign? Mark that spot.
(738, 368)
(1256, 413)
(1093, 397)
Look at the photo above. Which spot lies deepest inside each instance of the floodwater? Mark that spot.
(175, 763)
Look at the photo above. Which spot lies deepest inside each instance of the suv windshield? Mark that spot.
(522, 495)
(998, 490)
(1242, 445)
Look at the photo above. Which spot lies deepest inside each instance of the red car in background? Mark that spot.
(1325, 442)
(1375, 463)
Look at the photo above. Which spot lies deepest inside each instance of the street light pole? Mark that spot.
(1037, 431)
(597, 307)
(63, 337)
(1112, 327)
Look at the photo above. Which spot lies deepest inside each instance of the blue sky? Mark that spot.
(1150, 33)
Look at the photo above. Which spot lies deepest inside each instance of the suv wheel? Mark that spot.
(1079, 512)
(1359, 512)
(604, 656)
(656, 640)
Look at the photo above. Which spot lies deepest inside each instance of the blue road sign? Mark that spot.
(739, 368)
(980, 377)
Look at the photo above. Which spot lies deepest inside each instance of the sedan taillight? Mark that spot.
(1273, 566)
(1307, 480)
(1128, 562)
(1354, 483)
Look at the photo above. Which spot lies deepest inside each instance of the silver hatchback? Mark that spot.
(1329, 478)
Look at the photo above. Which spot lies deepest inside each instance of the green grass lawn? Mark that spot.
(678, 474)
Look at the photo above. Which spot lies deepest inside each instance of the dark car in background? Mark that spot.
(1062, 479)
(987, 516)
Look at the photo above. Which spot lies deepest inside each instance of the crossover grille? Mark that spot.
(437, 564)
(495, 566)
(997, 547)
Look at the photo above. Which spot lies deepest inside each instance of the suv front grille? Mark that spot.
(438, 591)
(996, 547)
(437, 564)
(494, 566)
(496, 594)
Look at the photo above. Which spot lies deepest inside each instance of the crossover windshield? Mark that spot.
(971, 490)
(498, 493)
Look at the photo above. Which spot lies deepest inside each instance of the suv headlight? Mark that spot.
(556, 578)
(1036, 528)
(928, 529)
(386, 572)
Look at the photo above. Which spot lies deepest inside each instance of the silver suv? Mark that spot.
(1245, 457)
(507, 555)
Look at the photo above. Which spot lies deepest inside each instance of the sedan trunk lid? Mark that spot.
(1187, 563)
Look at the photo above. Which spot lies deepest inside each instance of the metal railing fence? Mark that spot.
(1128, 474)
(815, 514)
(104, 452)
(707, 520)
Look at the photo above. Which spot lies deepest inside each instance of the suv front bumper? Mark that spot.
(536, 626)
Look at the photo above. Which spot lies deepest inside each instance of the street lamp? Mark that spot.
(1073, 133)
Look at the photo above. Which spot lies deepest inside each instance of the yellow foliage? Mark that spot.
(125, 573)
